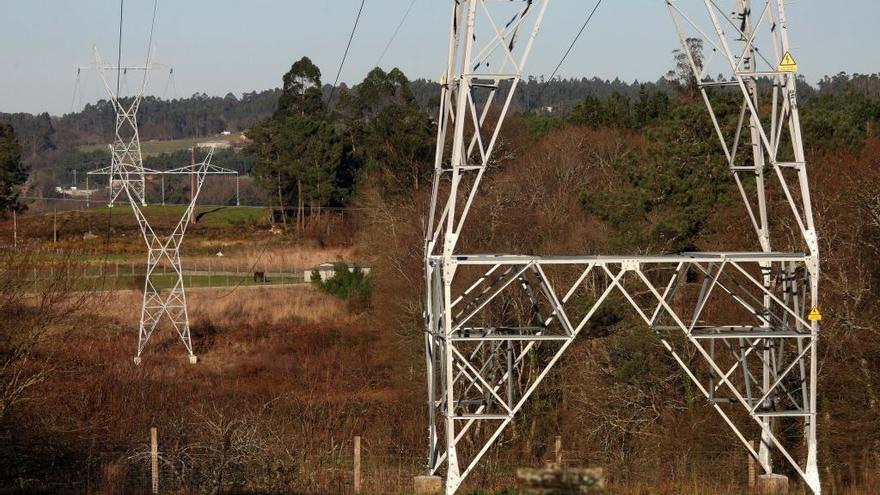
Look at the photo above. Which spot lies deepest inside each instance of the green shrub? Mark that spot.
(350, 284)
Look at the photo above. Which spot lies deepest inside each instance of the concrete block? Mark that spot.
(193, 359)
(555, 480)
(772, 484)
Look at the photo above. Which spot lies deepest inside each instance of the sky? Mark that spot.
(222, 46)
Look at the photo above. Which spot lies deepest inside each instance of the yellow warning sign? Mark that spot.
(815, 315)
(788, 64)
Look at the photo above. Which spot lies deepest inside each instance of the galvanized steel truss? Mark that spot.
(127, 175)
(126, 165)
(166, 248)
(736, 323)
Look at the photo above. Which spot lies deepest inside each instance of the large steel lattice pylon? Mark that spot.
(743, 326)
(127, 175)
(159, 302)
(167, 248)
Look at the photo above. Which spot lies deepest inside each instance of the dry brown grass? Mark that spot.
(246, 305)
(280, 259)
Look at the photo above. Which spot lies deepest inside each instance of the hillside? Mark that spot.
(290, 370)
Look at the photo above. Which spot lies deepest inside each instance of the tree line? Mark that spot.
(202, 115)
(309, 154)
(309, 151)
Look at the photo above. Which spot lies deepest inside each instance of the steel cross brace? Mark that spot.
(482, 370)
(156, 302)
(469, 375)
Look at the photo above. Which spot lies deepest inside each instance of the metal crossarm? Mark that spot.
(126, 169)
(741, 325)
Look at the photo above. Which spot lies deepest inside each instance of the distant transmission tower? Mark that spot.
(156, 302)
(127, 175)
(743, 326)
(127, 164)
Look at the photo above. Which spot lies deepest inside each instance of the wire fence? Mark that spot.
(338, 472)
(131, 275)
(379, 474)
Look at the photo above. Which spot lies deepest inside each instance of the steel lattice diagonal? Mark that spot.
(159, 302)
(126, 172)
(127, 175)
(743, 326)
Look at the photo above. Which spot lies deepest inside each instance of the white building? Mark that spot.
(327, 270)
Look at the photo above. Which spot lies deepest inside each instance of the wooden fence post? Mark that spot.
(154, 458)
(752, 469)
(357, 464)
(559, 450)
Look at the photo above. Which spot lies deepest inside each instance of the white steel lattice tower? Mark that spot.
(159, 302)
(127, 165)
(742, 326)
(127, 175)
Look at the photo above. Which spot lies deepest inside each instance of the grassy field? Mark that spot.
(211, 216)
(163, 216)
(241, 234)
(91, 279)
(151, 148)
(155, 147)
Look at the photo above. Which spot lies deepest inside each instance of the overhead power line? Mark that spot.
(396, 30)
(152, 27)
(345, 55)
(118, 80)
(119, 53)
(576, 38)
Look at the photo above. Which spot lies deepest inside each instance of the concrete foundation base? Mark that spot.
(193, 359)
(427, 485)
(772, 484)
(137, 360)
(561, 480)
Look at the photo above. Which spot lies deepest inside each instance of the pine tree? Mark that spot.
(13, 174)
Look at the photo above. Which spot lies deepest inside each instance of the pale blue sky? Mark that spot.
(220, 46)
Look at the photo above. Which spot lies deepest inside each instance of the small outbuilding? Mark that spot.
(327, 270)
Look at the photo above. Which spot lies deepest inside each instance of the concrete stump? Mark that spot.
(772, 484)
(193, 359)
(427, 485)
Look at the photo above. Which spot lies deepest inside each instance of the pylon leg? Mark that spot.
(761, 361)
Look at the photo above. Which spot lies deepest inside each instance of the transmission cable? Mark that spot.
(170, 83)
(110, 179)
(76, 90)
(345, 55)
(152, 27)
(396, 30)
(575, 40)
(119, 53)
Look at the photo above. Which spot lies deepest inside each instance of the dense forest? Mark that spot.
(50, 144)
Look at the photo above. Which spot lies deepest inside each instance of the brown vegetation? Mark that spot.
(287, 375)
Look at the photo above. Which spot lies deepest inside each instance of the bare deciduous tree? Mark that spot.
(37, 303)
